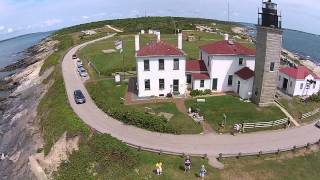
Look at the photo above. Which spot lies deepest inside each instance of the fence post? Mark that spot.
(294, 148)
(239, 155)
(308, 146)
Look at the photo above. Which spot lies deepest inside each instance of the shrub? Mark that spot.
(197, 92)
(141, 119)
(314, 98)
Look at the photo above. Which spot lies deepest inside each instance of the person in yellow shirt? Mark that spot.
(159, 168)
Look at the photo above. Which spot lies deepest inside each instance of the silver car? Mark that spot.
(318, 124)
(82, 72)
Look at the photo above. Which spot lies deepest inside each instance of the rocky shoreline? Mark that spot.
(19, 130)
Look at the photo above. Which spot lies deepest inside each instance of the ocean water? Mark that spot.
(12, 50)
(304, 44)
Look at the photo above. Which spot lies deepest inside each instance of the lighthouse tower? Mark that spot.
(268, 52)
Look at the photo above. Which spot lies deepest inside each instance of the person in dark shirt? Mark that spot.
(187, 164)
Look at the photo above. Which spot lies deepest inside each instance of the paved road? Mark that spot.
(210, 144)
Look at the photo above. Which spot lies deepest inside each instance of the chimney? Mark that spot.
(137, 42)
(226, 37)
(180, 40)
(158, 36)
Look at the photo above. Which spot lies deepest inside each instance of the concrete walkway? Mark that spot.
(210, 144)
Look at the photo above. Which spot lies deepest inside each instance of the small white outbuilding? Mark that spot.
(298, 81)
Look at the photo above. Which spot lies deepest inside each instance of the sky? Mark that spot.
(26, 16)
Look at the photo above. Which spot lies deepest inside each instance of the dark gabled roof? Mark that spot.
(159, 48)
(245, 73)
(227, 48)
(200, 76)
(195, 65)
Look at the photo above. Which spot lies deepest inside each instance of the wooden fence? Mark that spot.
(309, 114)
(265, 124)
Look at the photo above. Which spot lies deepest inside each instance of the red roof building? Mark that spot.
(200, 76)
(196, 66)
(299, 73)
(159, 49)
(245, 73)
(227, 48)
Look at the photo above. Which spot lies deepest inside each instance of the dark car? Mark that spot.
(74, 56)
(79, 97)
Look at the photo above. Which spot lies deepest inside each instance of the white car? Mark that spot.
(79, 65)
(82, 72)
(318, 124)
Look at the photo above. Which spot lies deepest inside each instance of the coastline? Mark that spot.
(291, 56)
(19, 131)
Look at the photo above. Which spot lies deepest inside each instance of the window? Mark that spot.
(272, 66)
(314, 85)
(214, 84)
(147, 84)
(201, 55)
(208, 61)
(161, 84)
(279, 78)
(301, 85)
(202, 83)
(161, 64)
(176, 64)
(240, 61)
(146, 65)
(230, 80)
(290, 83)
(308, 85)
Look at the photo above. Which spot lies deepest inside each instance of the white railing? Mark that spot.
(265, 124)
(309, 114)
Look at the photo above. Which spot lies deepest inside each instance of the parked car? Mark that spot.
(318, 124)
(79, 60)
(74, 56)
(79, 97)
(79, 64)
(82, 72)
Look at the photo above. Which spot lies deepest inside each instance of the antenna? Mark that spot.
(228, 11)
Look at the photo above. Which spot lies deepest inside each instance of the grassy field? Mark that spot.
(104, 157)
(293, 166)
(296, 108)
(165, 24)
(236, 111)
(181, 122)
(113, 62)
(107, 95)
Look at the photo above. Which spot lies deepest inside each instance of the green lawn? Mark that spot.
(236, 111)
(181, 122)
(293, 166)
(108, 96)
(296, 108)
(104, 157)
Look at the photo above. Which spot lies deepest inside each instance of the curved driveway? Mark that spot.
(210, 144)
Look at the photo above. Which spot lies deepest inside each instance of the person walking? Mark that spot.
(187, 164)
(202, 172)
